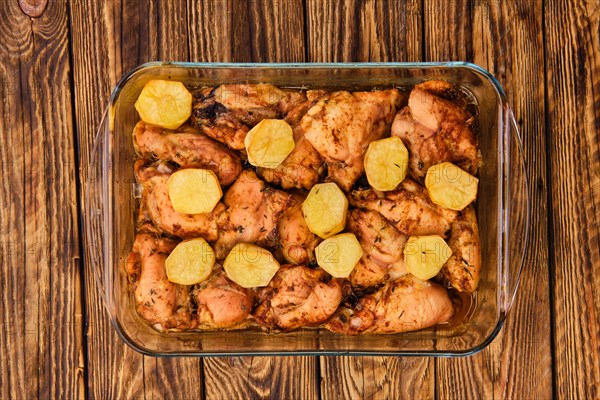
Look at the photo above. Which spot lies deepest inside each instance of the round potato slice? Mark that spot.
(194, 191)
(250, 266)
(167, 104)
(386, 161)
(450, 186)
(325, 210)
(190, 262)
(269, 143)
(339, 254)
(424, 256)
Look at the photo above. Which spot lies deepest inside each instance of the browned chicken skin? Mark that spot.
(187, 148)
(253, 210)
(298, 296)
(402, 305)
(382, 245)
(303, 167)
(435, 130)
(158, 207)
(408, 208)
(297, 241)
(332, 131)
(341, 126)
(463, 268)
(227, 112)
(221, 302)
(162, 303)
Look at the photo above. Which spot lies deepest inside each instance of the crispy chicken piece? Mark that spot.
(304, 166)
(227, 112)
(164, 304)
(435, 130)
(408, 208)
(222, 303)
(403, 305)
(188, 148)
(382, 244)
(253, 210)
(341, 126)
(463, 268)
(298, 296)
(158, 207)
(297, 241)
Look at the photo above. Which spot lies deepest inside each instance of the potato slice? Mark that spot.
(339, 254)
(424, 256)
(250, 266)
(167, 104)
(450, 186)
(269, 143)
(190, 262)
(386, 162)
(194, 191)
(325, 209)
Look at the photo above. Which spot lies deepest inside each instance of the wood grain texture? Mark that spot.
(488, 31)
(573, 81)
(261, 378)
(129, 34)
(41, 308)
(353, 30)
(369, 31)
(259, 31)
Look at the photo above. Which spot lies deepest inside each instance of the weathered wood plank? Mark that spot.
(369, 31)
(260, 31)
(352, 30)
(573, 97)
(41, 312)
(129, 33)
(505, 38)
(261, 377)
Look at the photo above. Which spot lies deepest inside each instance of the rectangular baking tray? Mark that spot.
(502, 209)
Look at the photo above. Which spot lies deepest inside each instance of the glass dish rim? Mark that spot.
(404, 65)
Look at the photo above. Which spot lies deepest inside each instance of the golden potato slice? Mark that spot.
(194, 191)
(269, 143)
(424, 256)
(386, 161)
(339, 254)
(190, 262)
(250, 266)
(325, 209)
(167, 104)
(450, 186)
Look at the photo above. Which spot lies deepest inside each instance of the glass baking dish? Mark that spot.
(502, 208)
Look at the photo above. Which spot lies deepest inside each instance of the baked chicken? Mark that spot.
(298, 296)
(463, 268)
(187, 148)
(297, 241)
(304, 166)
(227, 112)
(402, 305)
(434, 129)
(158, 208)
(262, 208)
(408, 208)
(252, 212)
(341, 126)
(382, 245)
(163, 304)
(221, 302)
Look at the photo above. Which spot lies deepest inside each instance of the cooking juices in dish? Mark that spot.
(349, 211)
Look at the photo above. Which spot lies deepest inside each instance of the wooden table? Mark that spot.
(59, 62)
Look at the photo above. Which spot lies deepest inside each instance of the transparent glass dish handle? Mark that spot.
(94, 215)
(517, 210)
